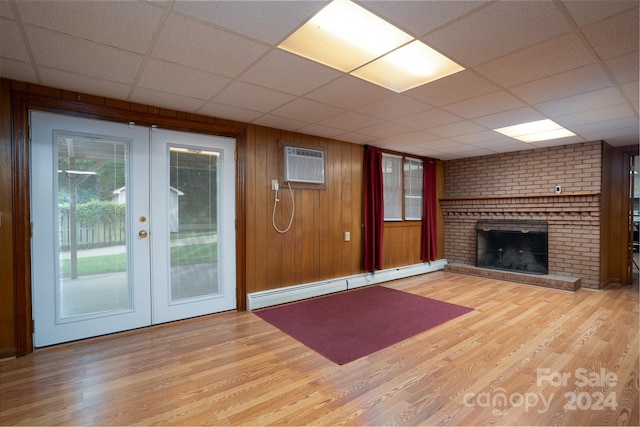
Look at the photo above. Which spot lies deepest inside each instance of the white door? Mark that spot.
(192, 224)
(100, 222)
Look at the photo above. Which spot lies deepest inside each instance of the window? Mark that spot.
(413, 189)
(402, 180)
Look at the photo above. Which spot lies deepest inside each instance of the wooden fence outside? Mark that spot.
(97, 235)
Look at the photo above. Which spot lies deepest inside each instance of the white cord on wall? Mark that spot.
(293, 209)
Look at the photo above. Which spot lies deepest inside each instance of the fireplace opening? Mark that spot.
(513, 245)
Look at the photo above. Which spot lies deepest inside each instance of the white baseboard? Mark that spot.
(268, 298)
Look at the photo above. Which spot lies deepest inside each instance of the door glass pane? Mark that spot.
(193, 213)
(92, 262)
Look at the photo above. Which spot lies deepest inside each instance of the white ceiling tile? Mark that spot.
(608, 129)
(278, 122)
(411, 138)
(624, 68)
(128, 25)
(456, 87)
(17, 70)
(84, 84)
(356, 138)
(66, 53)
(420, 17)
(5, 10)
(348, 92)
(11, 44)
(408, 149)
(631, 90)
(557, 142)
(165, 100)
(394, 107)
(443, 144)
(466, 151)
(270, 21)
(508, 118)
(228, 112)
(485, 104)
(582, 102)
(613, 112)
(387, 144)
(446, 156)
(228, 47)
(499, 29)
(430, 118)
(580, 80)
(550, 57)
(614, 36)
(623, 137)
(427, 152)
(385, 130)
(196, 45)
(479, 137)
(173, 78)
(307, 111)
(289, 73)
(350, 121)
(256, 98)
(319, 130)
(503, 145)
(456, 129)
(588, 12)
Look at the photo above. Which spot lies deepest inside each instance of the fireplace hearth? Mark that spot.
(514, 245)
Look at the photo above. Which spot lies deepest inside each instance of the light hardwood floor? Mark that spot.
(518, 359)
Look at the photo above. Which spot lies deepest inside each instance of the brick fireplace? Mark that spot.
(520, 186)
(520, 246)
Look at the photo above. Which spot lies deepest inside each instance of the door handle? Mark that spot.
(143, 233)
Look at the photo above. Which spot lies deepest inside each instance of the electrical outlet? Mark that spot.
(347, 236)
(274, 185)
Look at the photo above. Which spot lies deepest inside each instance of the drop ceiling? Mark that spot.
(575, 62)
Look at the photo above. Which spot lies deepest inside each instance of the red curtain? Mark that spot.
(429, 243)
(373, 208)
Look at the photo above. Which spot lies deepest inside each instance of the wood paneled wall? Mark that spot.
(615, 265)
(313, 250)
(7, 312)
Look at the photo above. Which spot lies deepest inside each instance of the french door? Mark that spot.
(132, 226)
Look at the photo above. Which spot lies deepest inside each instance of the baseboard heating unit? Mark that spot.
(271, 297)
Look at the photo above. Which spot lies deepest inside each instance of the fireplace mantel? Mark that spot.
(518, 196)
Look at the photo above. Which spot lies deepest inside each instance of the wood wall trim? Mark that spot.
(26, 97)
(21, 229)
(7, 273)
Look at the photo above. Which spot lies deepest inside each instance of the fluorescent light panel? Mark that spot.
(540, 130)
(410, 66)
(346, 36)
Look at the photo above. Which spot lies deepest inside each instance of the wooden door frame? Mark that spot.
(22, 103)
(628, 159)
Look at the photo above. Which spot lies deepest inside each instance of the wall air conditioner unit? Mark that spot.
(303, 165)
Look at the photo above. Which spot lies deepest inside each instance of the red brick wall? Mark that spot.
(521, 185)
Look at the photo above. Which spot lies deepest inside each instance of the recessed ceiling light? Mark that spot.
(407, 67)
(344, 36)
(540, 130)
